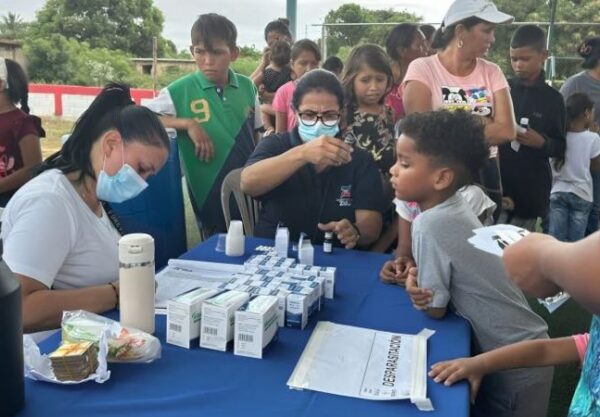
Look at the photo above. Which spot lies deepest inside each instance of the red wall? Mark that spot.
(58, 90)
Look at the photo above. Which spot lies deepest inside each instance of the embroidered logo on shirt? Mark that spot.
(345, 198)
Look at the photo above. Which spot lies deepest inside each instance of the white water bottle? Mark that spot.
(136, 281)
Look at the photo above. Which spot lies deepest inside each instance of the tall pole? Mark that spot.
(323, 42)
(154, 63)
(550, 63)
(291, 9)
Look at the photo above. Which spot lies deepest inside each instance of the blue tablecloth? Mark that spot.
(210, 383)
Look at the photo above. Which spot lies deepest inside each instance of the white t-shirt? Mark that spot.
(475, 197)
(52, 236)
(575, 176)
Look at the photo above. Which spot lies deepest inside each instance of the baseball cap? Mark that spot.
(482, 9)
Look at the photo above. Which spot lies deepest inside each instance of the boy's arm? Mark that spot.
(205, 150)
(525, 354)
(422, 298)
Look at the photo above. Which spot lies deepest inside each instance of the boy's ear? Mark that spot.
(443, 178)
(545, 54)
(235, 53)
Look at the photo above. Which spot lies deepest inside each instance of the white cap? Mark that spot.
(136, 248)
(236, 228)
(482, 9)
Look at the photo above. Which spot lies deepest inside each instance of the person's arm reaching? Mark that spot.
(525, 354)
(541, 266)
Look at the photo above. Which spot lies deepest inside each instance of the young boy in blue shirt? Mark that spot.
(437, 154)
(214, 112)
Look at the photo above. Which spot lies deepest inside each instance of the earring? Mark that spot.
(460, 43)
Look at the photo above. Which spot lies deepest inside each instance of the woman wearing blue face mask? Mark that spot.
(311, 180)
(58, 239)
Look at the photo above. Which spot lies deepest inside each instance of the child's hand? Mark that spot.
(396, 271)
(204, 146)
(456, 370)
(420, 297)
(388, 272)
(531, 138)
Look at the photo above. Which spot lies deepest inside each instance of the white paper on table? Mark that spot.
(364, 363)
(181, 275)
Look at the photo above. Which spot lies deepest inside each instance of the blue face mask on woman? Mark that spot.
(308, 133)
(124, 185)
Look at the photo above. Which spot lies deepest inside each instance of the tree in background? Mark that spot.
(56, 59)
(566, 38)
(125, 25)
(350, 36)
(12, 26)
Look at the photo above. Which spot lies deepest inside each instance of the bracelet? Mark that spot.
(114, 287)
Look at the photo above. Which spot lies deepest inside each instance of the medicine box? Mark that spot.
(184, 314)
(218, 317)
(255, 326)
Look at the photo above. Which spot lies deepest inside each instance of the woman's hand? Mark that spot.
(346, 232)
(326, 151)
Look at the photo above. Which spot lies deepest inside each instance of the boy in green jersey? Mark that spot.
(213, 110)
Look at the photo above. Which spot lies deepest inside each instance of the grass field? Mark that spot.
(567, 320)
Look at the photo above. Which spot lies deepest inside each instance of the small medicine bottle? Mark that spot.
(328, 242)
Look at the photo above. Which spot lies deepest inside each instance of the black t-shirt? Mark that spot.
(526, 174)
(308, 197)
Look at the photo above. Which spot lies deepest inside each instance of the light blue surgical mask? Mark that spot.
(124, 185)
(308, 133)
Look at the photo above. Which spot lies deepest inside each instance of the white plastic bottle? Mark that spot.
(282, 241)
(136, 281)
(235, 240)
(306, 253)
